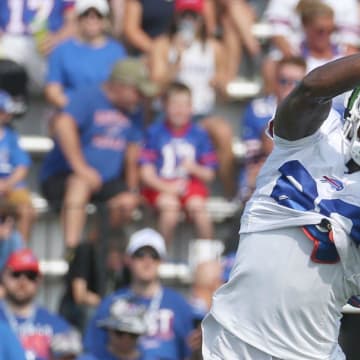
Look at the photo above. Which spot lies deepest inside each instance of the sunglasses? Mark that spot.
(324, 30)
(124, 333)
(283, 81)
(30, 275)
(142, 253)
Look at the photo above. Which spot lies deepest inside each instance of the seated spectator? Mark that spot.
(10, 347)
(90, 276)
(96, 150)
(257, 114)
(34, 325)
(176, 161)
(85, 59)
(168, 316)
(318, 46)
(124, 326)
(187, 54)
(30, 30)
(287, 30)
(10, 238)
(144, 21)
(14, 167)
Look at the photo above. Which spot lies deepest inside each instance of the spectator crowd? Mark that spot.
(131, 89)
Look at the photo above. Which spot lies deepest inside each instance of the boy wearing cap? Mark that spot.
(96, 149)
(168, 317)
(14, 167)
(177, 160)
(33, 325)
(91, 46)
(124, 325)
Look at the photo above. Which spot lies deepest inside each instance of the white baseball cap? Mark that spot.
(146, 237)
(100, 5)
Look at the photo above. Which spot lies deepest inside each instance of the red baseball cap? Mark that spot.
(192, 5)
(23, 260)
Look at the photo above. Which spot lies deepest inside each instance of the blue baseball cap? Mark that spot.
(6, 102)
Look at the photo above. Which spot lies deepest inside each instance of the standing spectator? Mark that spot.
(187, 54)
(98, 124)
(10, 347)
(31, 29)
(124, 326)
(14, 167)
(176, 162)
(84, 59)
(168, 316)
(33, 324)
(289, 73)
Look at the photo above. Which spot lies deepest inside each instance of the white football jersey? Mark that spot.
(277, 299)
(304, 181)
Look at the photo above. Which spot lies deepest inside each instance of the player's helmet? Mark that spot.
(352, 124)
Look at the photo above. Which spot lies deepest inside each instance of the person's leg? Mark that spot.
(77, 195)
(196, 208)
(21, 199)
(169, 211)
(221, 134)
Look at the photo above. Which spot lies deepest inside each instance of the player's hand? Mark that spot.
(90, 176)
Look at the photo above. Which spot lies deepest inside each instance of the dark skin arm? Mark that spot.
(308, 105)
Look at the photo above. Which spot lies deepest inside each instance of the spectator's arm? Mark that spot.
(131, 166)
(202, 172)
(82, 295)
(66, 132)
(19, 174)
(283, 45)
(133, 32)
(47, 44)
(55, 95)
(150, 177)
(162, 71)
(117, 16)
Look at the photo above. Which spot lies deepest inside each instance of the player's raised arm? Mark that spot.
(308, 105)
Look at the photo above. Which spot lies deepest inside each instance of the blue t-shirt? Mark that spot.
(10, 347)
(169, 324)
(8, 246)
(35, 332)
(104, 132)
(74, 64)
(17, 16)
(166, 148)
(11, 154)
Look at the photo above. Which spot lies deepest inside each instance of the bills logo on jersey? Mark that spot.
(334, 183)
